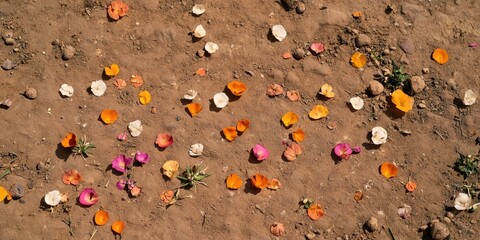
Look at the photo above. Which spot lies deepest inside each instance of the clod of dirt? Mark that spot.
(375, 88)
(277, 229)
(299, 53)
(201, 53)
(17, 191)
(68, 52)
(30, 93)
(8, 65)
(290, 4)
(310, 235)
(6, 103)
(8, 38)
(439, 231)
(372, 224)
(417, 83)
(362, 40)
(406, 45)
(301, 8)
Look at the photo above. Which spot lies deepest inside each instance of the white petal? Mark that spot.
(98, 88)
(191, 94)
(463, 201)
(199, 32)
(379, 135)
(211, 47)
(469, 98)
(195, 150)
(66, 90)
(279, 32)
(53, 198)
(135, 128)
(198, 9)
(357, 103)
(220, 100)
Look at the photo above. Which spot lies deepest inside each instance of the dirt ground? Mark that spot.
(154, 40)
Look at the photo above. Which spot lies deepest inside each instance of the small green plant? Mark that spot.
(466, 165)
(193, 176)
(397, 78)
(82, 148)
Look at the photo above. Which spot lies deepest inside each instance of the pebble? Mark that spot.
(406, 45)
(425, 70)
(447, 220)
(422, 105)
(201, 53)
(31, 184)
(372, 224)
(301, 8)
(452, 84)
(450, 215)
(417, 83)
(362, 40)
(8, 65)
(17, 191)
(30, 93)
(310, 235)
(439, 231)
(8, 38)
(290, 4)
(386, 52)
(68, 52)
(299, 53)
(375, 87)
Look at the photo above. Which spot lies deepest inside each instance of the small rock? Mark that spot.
(417, 83)
(8, 34)
(201, 53)
(452, 84)
(425, 70)
(362, 40)
(8, 65)
(301, 8)
(68, 52)
(422, 105)
(375, 87)
(9, 41)
(447, 220)
(310, 235)
(30, 93)
(450, 215)
(372, 224)
(17, 191)
(299, 53)
(439, 231)
(56, 42)
(290, 4)
(386, 51)
(31, 184)
(406, 45)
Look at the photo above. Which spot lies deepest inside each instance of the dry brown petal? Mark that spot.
(277, 229)
(120, 83)
(293, 95)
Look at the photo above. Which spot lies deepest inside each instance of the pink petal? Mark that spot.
(142, 157)
(122, 136)
(473, 44)
(88, 197)
(317, 47)
(121, 184)
(260, 152)
(120, 163)
(343, 150)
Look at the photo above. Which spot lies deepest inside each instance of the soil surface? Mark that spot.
(154, 40)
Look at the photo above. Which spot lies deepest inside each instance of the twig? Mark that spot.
(93, 234)
(391, 233)
(69, 224)
(5, 173)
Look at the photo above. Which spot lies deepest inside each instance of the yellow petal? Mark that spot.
(144, 97)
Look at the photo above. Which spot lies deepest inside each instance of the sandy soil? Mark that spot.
(154, 40)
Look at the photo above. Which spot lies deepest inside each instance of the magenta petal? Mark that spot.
(121, 184)
(142, 157)
(357, 149)
(120, 163)
(260, 152)
(343, 150)
(88, 197)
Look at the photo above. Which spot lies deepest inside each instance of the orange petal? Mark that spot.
(167, 196)
(230, 133)
(259, 181)
(326, 90)
(109, 116)
(388, 169)
(237, 88)
(112, 70)
(136, 80)
(101, 217)
(358, 196)
(194, 109)
(289, 119)
(402, 101)
(287, 55)
(315, 211)
(243, 125)
(233, 181)
(357, 14)
(274, 90)
(201, 72)
(120, 83)
(298, 135)
(411, 186)
(293, 95)
(274, 184)
(118, 226)
(317, 112)
(358, 60)
(69, 141)
(440, 56)
(144, 97)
